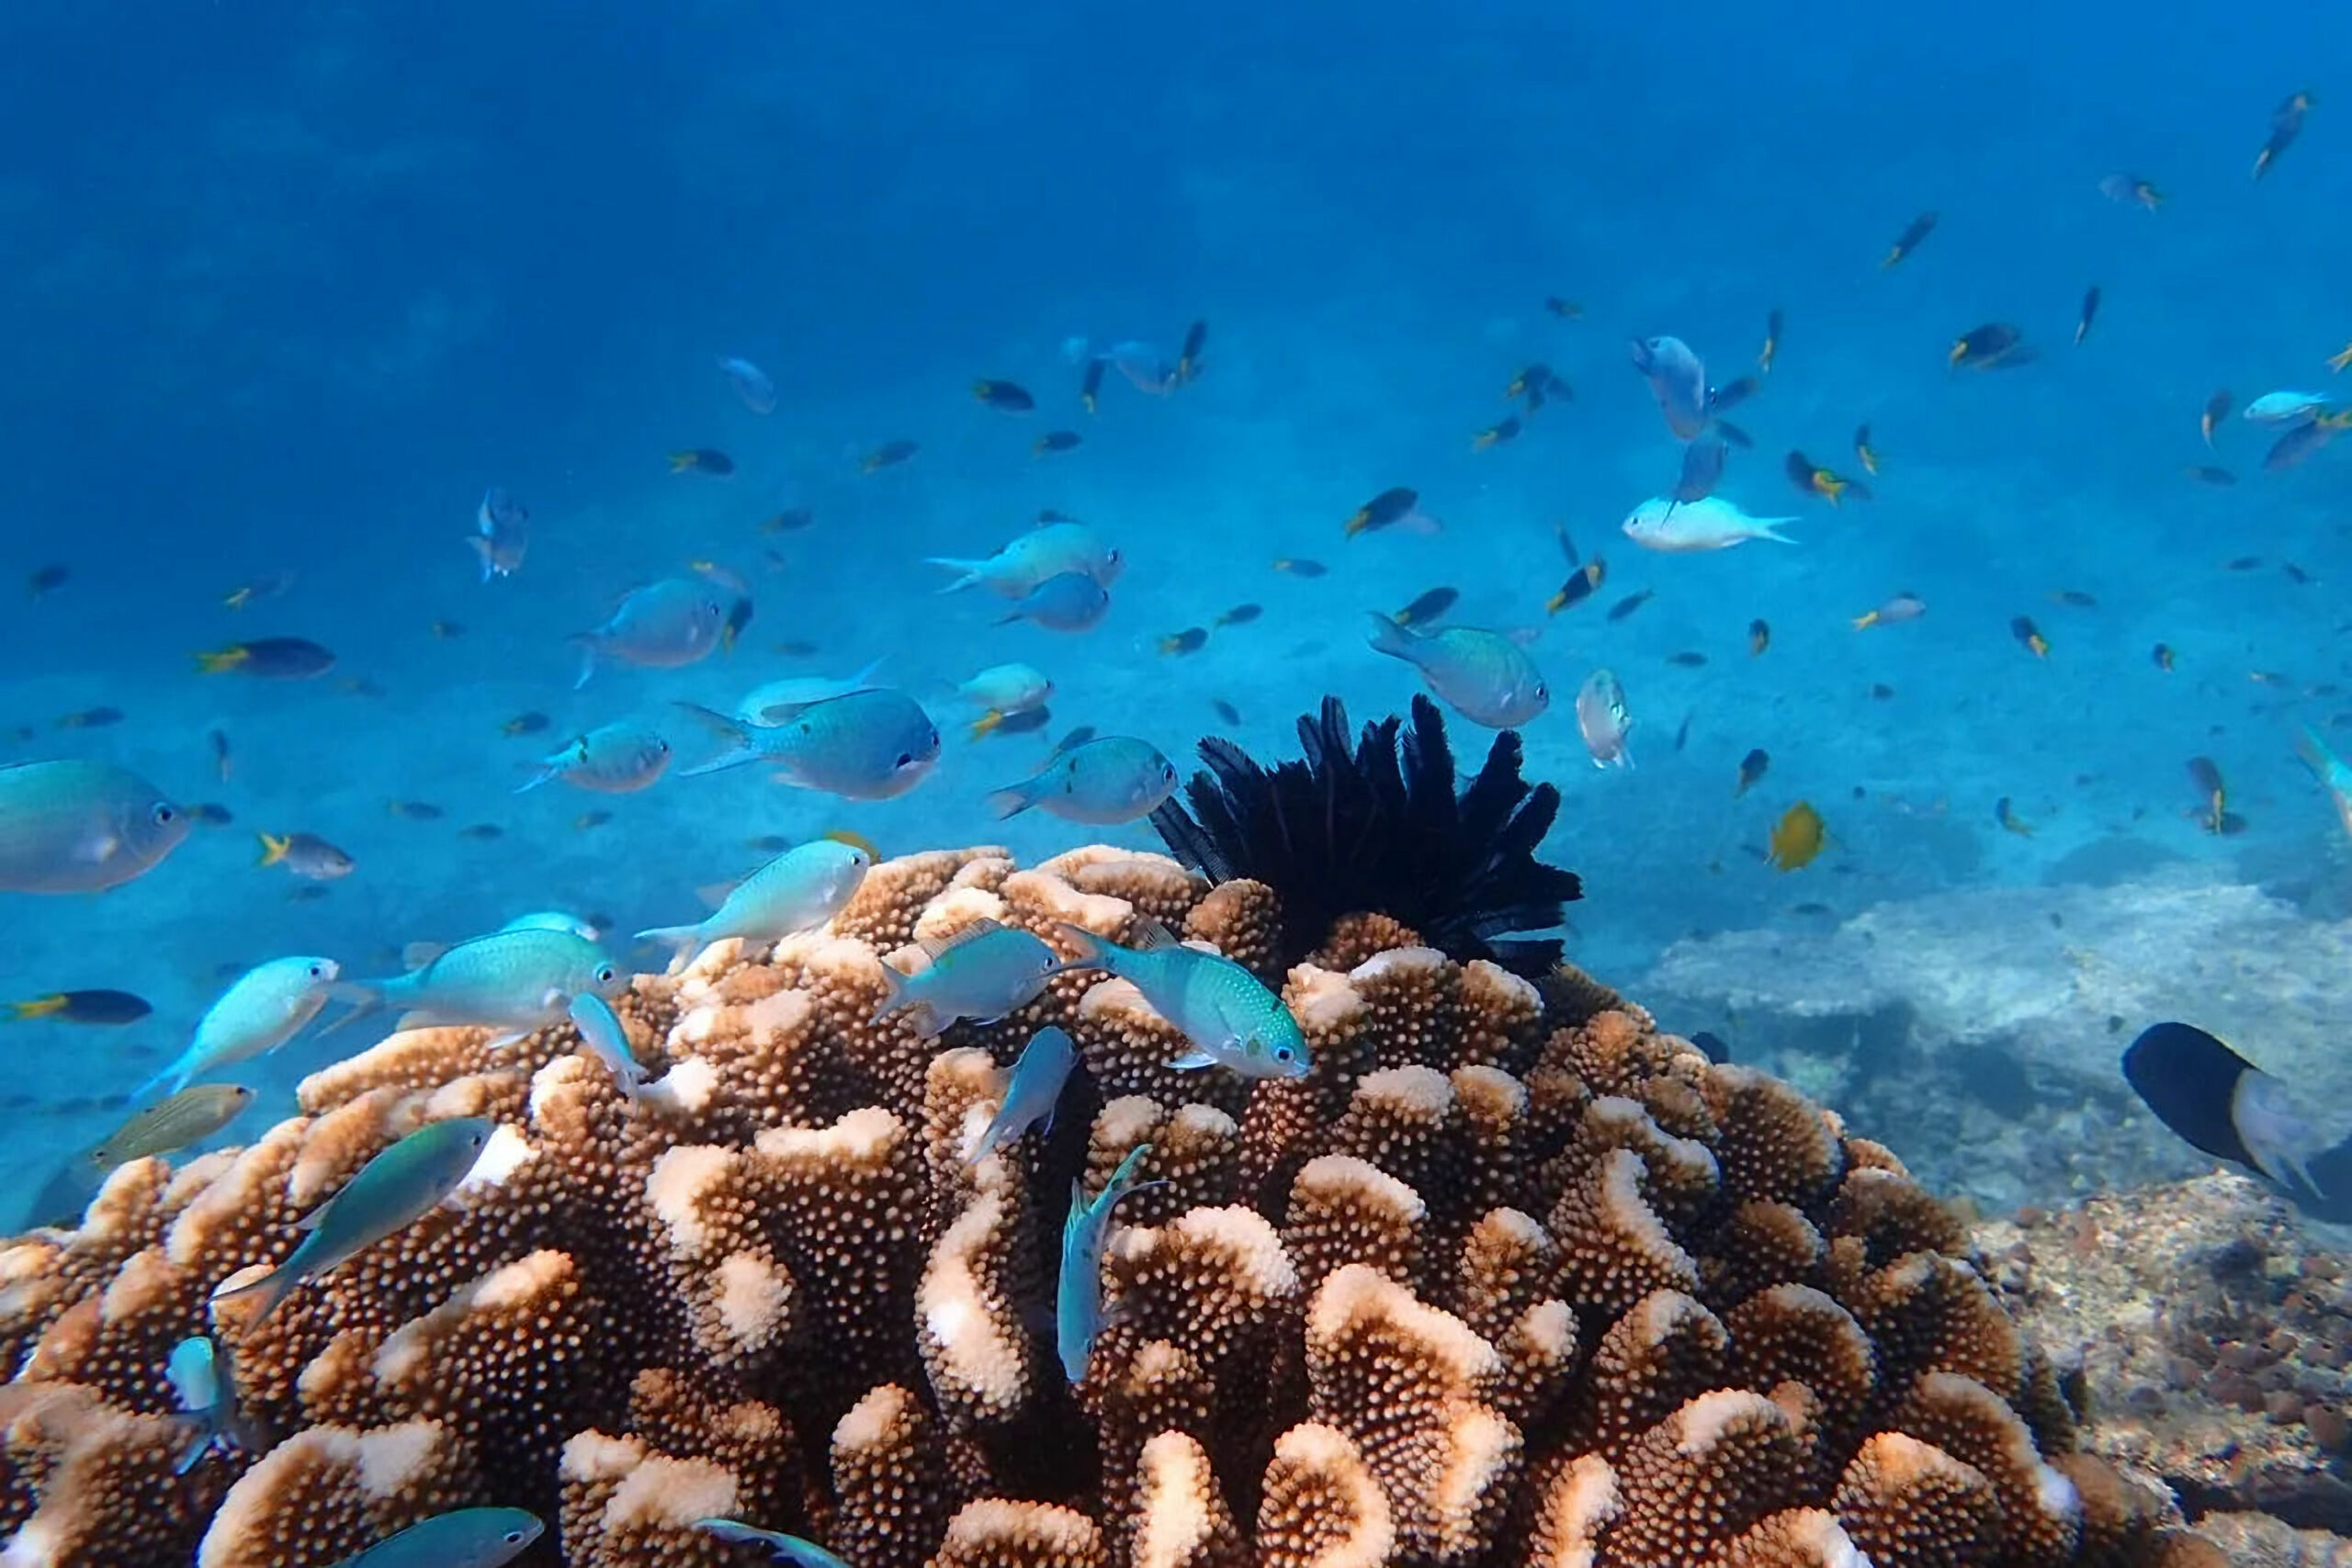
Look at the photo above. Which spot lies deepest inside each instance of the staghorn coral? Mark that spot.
(1498, 1283)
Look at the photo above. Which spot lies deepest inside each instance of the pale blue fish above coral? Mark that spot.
(798, 890)
(1231, 1019)
(262, 1009)
(391, 1191)
(983, 972)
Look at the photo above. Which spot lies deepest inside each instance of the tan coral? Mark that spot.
(1549, 1288)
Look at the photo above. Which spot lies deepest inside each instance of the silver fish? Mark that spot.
(262, 1009)
(1031, 1091)
(1605, 719)
(1078, 1297)
(501, 534)
(512, 980)
(77, 826)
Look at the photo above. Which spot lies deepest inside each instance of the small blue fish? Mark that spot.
(1078, 1297)
(206, 1381)
(798, 891)
(391, 1192)
(501, 534)
(787, 1548)
(1032, 1091)
(1485, 676)
(470, 1538)
(983, 972)
(662, 626)
(510, 980)
(612, 759)
(873, 745)
(1066, 601)
(1115, 778)
(262, 1009)
(1231, 1019)
(1678, 381)
(77, 827)
(751, 384)
(602, 1031)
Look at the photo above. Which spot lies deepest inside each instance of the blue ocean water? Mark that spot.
(290, 286)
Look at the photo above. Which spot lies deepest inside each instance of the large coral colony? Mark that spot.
(1508, 1277)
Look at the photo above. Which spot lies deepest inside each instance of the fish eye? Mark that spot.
(164, 814)
(605, 973)
(904, 758)
(316, 971)
(514, 1538)
(1282, 1053)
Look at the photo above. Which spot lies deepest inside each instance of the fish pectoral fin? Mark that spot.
(501, 1042)
(310, 1222)
(1191, 1061)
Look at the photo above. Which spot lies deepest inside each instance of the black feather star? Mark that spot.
(1381, 829)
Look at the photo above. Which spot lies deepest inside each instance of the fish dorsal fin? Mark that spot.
(415, 956)
(310, 1222)
(939, 947)
(1151, 937)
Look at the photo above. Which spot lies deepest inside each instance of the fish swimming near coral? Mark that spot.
(392, 1191)
(983, 972)
(1032, 1089)
(796, 1550)
(468, 1538)
(606, 1037)
(2219, 1103)
(1077, 1296)
(262, 1009)
(178, 1121)
(514, 981)
(205, 1379)
(1231, 1019)
(798, 891)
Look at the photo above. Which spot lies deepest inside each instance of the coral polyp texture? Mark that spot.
(1483, 1288)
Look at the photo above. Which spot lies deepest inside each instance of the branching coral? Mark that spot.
(1376, 830)
(1485, 1287)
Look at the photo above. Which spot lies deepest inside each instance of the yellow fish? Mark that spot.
(1797, 838)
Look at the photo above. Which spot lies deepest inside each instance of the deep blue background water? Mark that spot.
(289, 286)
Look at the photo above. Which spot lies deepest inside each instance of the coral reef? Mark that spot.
(2211, 1340)
(1379, 831)
(1485, 1288)
(1988, 1024)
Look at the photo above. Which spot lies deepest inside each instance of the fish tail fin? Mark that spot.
(1093, 952)
(168, 1079)
(1391, 637)
(986, 723)
(1013, 799)
(199, 1443)
(589, 645)
(894, 994)
(680, 940)
(39, 1007)
(740, 746)
(274, 848)
(970, 570)
(273, 1288)
(540, 773)
(1769, 528)
(363, 999)
(219, 659)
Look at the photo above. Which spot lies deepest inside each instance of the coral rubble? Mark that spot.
(1485, 1288)
(2211, 1340)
